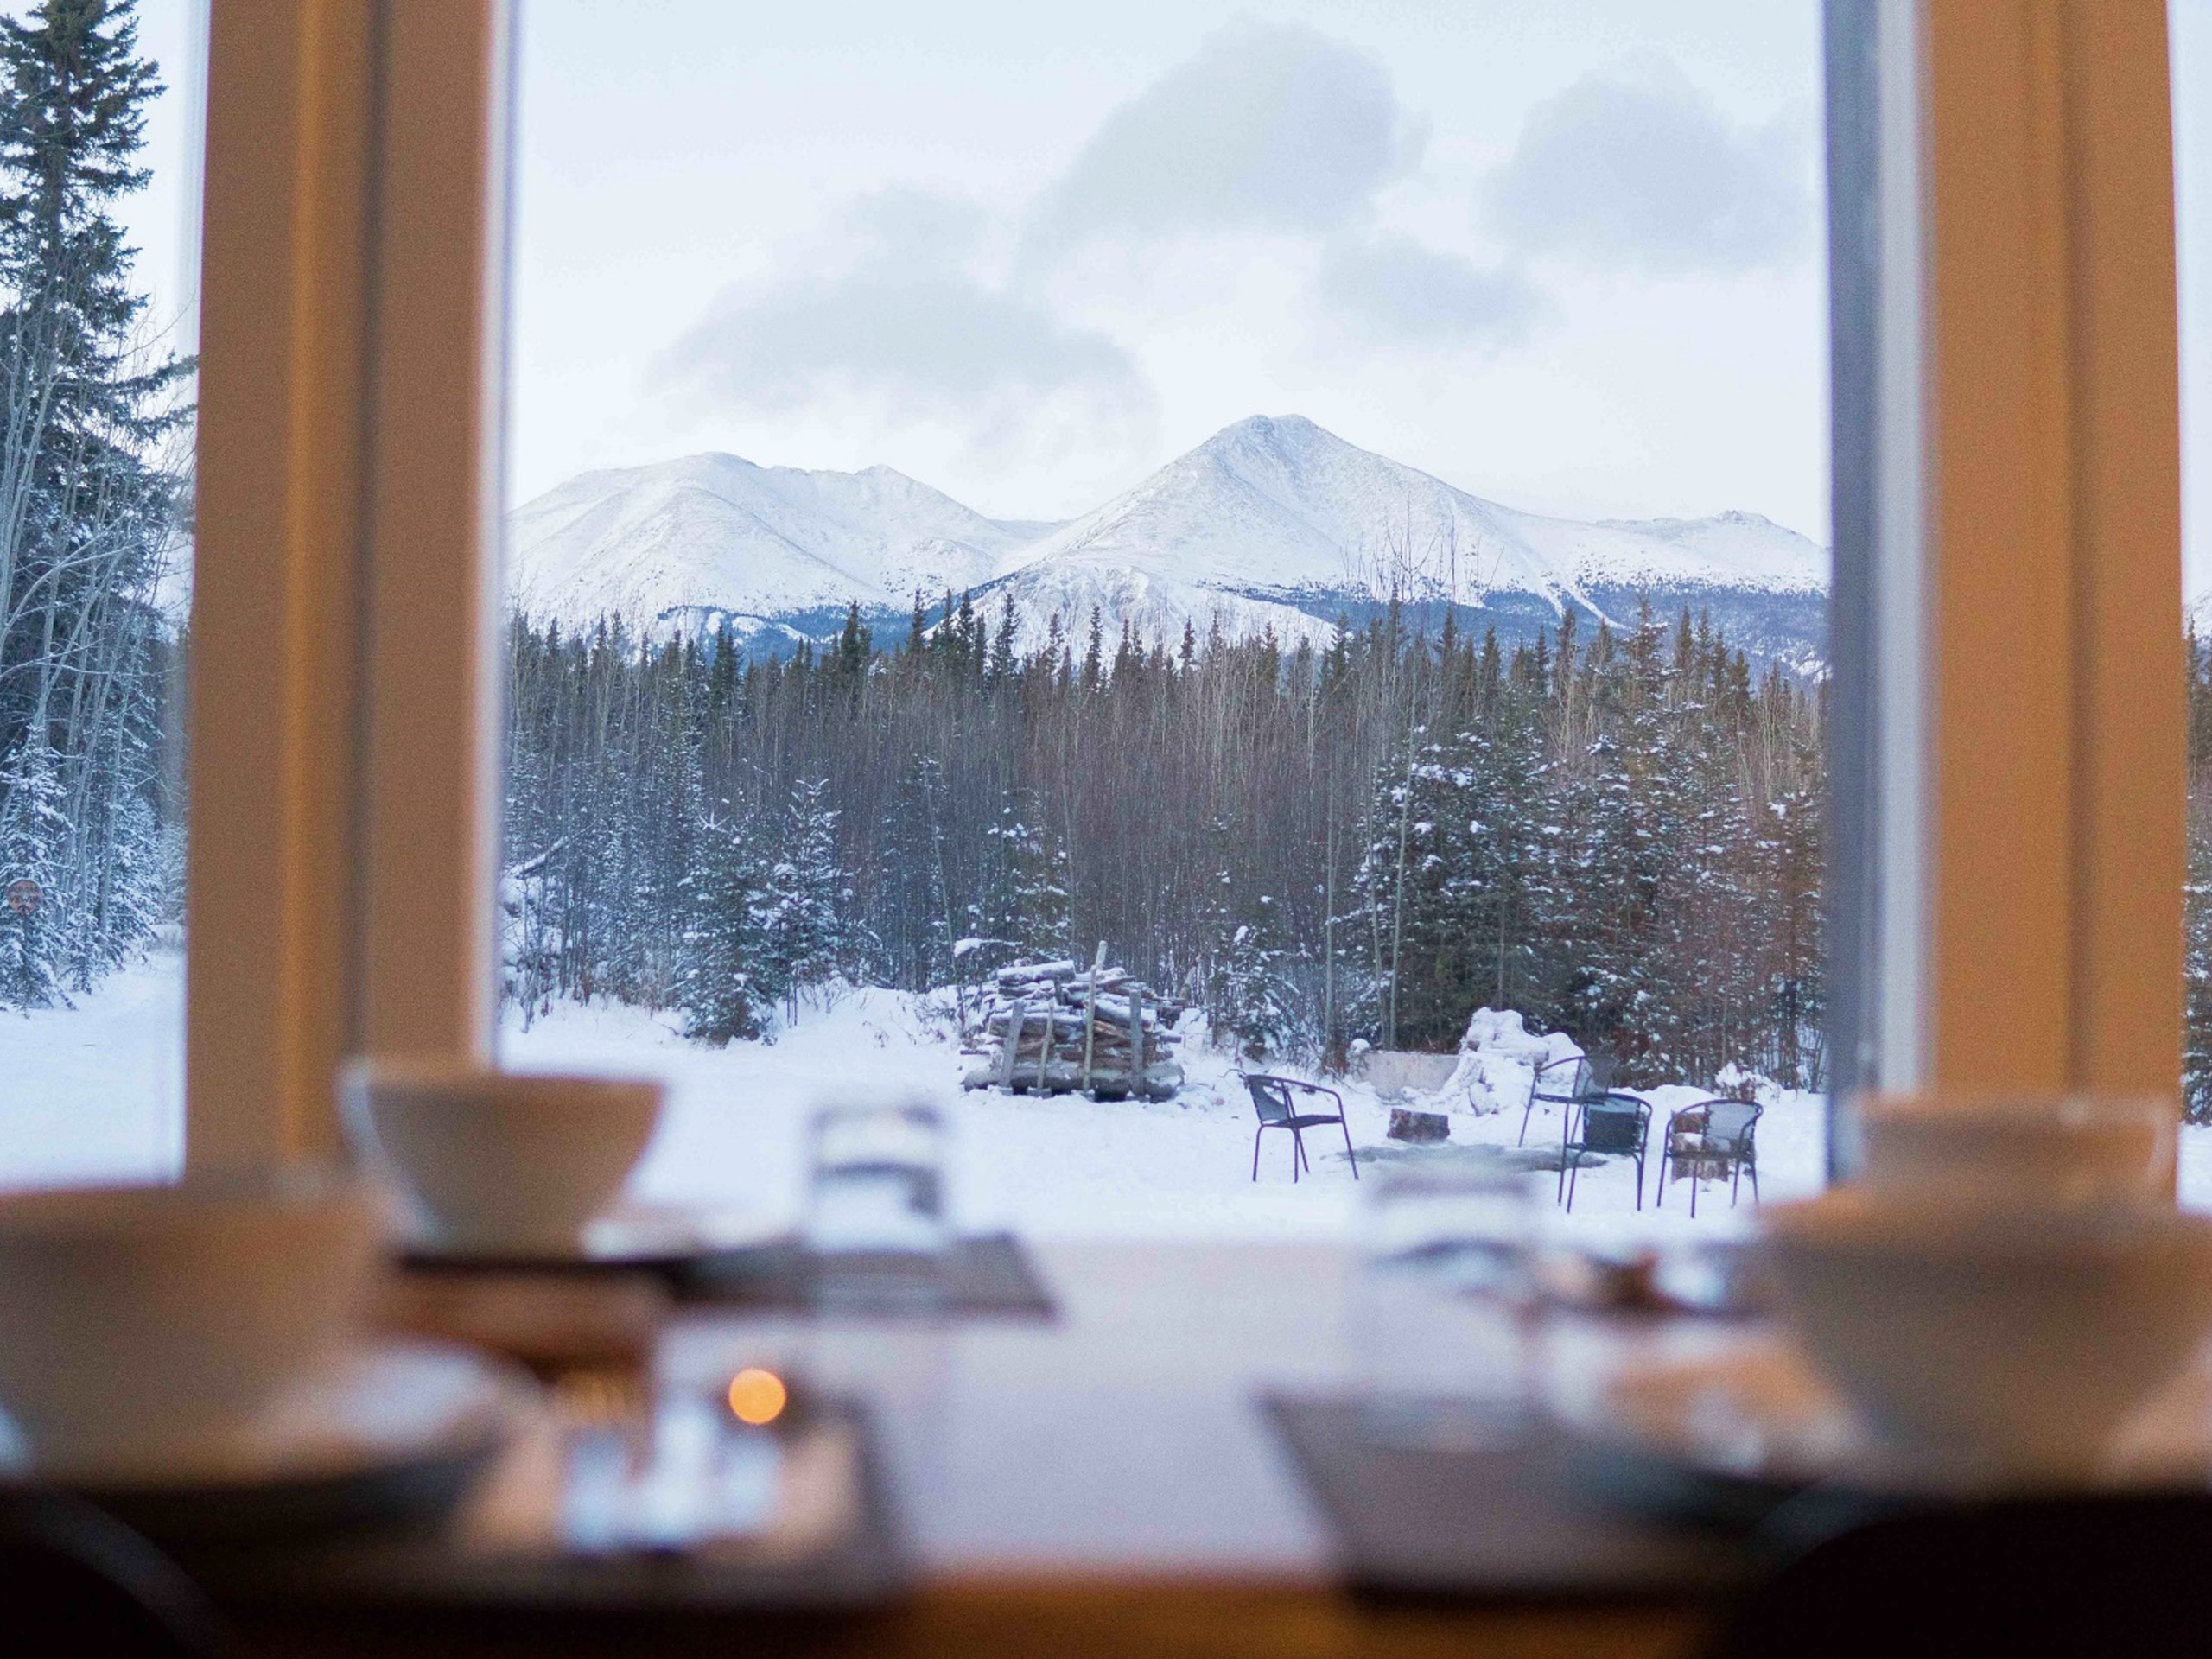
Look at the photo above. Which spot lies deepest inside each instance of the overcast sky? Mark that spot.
(1568, 256)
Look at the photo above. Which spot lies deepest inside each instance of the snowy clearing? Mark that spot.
(92, 1094)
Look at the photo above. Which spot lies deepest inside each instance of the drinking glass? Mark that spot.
(876, 1225)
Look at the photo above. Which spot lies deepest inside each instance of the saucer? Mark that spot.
(395, 1433)
(1729, 1435)
(634, 1238)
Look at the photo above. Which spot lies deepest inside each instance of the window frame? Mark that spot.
(345, 708)
(2007, 792)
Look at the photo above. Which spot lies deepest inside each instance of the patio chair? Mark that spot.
(1614, 1125)
(1275, 1100)
(1714, 1138)
(1569, 1081)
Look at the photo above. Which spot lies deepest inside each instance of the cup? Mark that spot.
(144, 1328)
(2020, 1150)
(2011, 1342)
(495, 1162)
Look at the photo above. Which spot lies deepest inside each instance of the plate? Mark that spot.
(395, 1434)
(658, 1238)
(1729, 1435)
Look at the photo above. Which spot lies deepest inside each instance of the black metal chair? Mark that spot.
(75, 1580)
(1613, 1125)
(1714, 1138)
(1571, 1081)
(2115, 1572)
(1273, 1099)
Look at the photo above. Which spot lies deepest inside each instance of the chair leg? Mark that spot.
(1566, 1139)
(1570, 1185)
(1697, 1175)
(1755, 1180)
(1525, 1110)
(1297, 1154)
(1349, 1152)
(1659, 1199)
(1256, 1133)
(1736, 1185)
(1639, 1182)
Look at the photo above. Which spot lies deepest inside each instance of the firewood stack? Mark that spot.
(1053, 1028)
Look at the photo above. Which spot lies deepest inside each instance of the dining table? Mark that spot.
(1112, 1480)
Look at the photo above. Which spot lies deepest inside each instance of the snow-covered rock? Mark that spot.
(1499, 1057)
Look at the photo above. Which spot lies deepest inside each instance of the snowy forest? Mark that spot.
(1616, 832)
(93, 467)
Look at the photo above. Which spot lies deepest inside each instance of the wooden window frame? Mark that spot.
(345, 618)
(2008, 791)
(2007, 853)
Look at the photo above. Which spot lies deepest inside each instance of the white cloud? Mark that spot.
(1393, 289)
(1268, 127)
(1649, 174)
(889, 322)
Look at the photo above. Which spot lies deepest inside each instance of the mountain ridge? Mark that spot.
(1271, 523)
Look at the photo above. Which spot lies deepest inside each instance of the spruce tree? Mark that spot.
(87, 496)
(722, 989)
(33, 833)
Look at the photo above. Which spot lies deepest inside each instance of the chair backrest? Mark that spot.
(1566, 1078)
(1614, 1125)
(1270, 1099)
(1728, 1123)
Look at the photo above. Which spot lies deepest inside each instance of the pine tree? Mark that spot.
(807, 939)
(721, 990)
(33, 834)
(87, 498)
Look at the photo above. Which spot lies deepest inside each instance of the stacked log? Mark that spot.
(1053, 1028)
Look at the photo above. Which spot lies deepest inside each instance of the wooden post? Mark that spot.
(1013, 1045)
(1137, 1039)
(1090, 1012)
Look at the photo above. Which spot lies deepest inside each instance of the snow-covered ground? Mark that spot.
(92, 1093)
(95, 1092)
(1064, 1166)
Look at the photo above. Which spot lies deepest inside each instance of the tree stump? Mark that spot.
(1405, 1124)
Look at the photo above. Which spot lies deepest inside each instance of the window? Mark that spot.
(100, 168)
(1323, 505)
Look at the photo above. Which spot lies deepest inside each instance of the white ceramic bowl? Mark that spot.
(497, 1162)
(2034, 1150)
(2008, 1342)
(145, 1326)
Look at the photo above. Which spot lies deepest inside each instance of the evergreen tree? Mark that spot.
(33, 834)
(806, 939)
(721, 990)
(87, 493)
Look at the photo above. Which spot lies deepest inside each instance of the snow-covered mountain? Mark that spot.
(1270, 522)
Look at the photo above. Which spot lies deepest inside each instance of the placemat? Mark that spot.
(1454, 1498)
(992, 1276)
(837, 1545)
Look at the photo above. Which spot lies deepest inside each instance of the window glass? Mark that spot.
(1316, 510)
(2190, 35)
(99, 272)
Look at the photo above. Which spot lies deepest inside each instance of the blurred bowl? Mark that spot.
(495, 1162)
(2012, 1342)
(2028, 1149)
(145, 1326)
